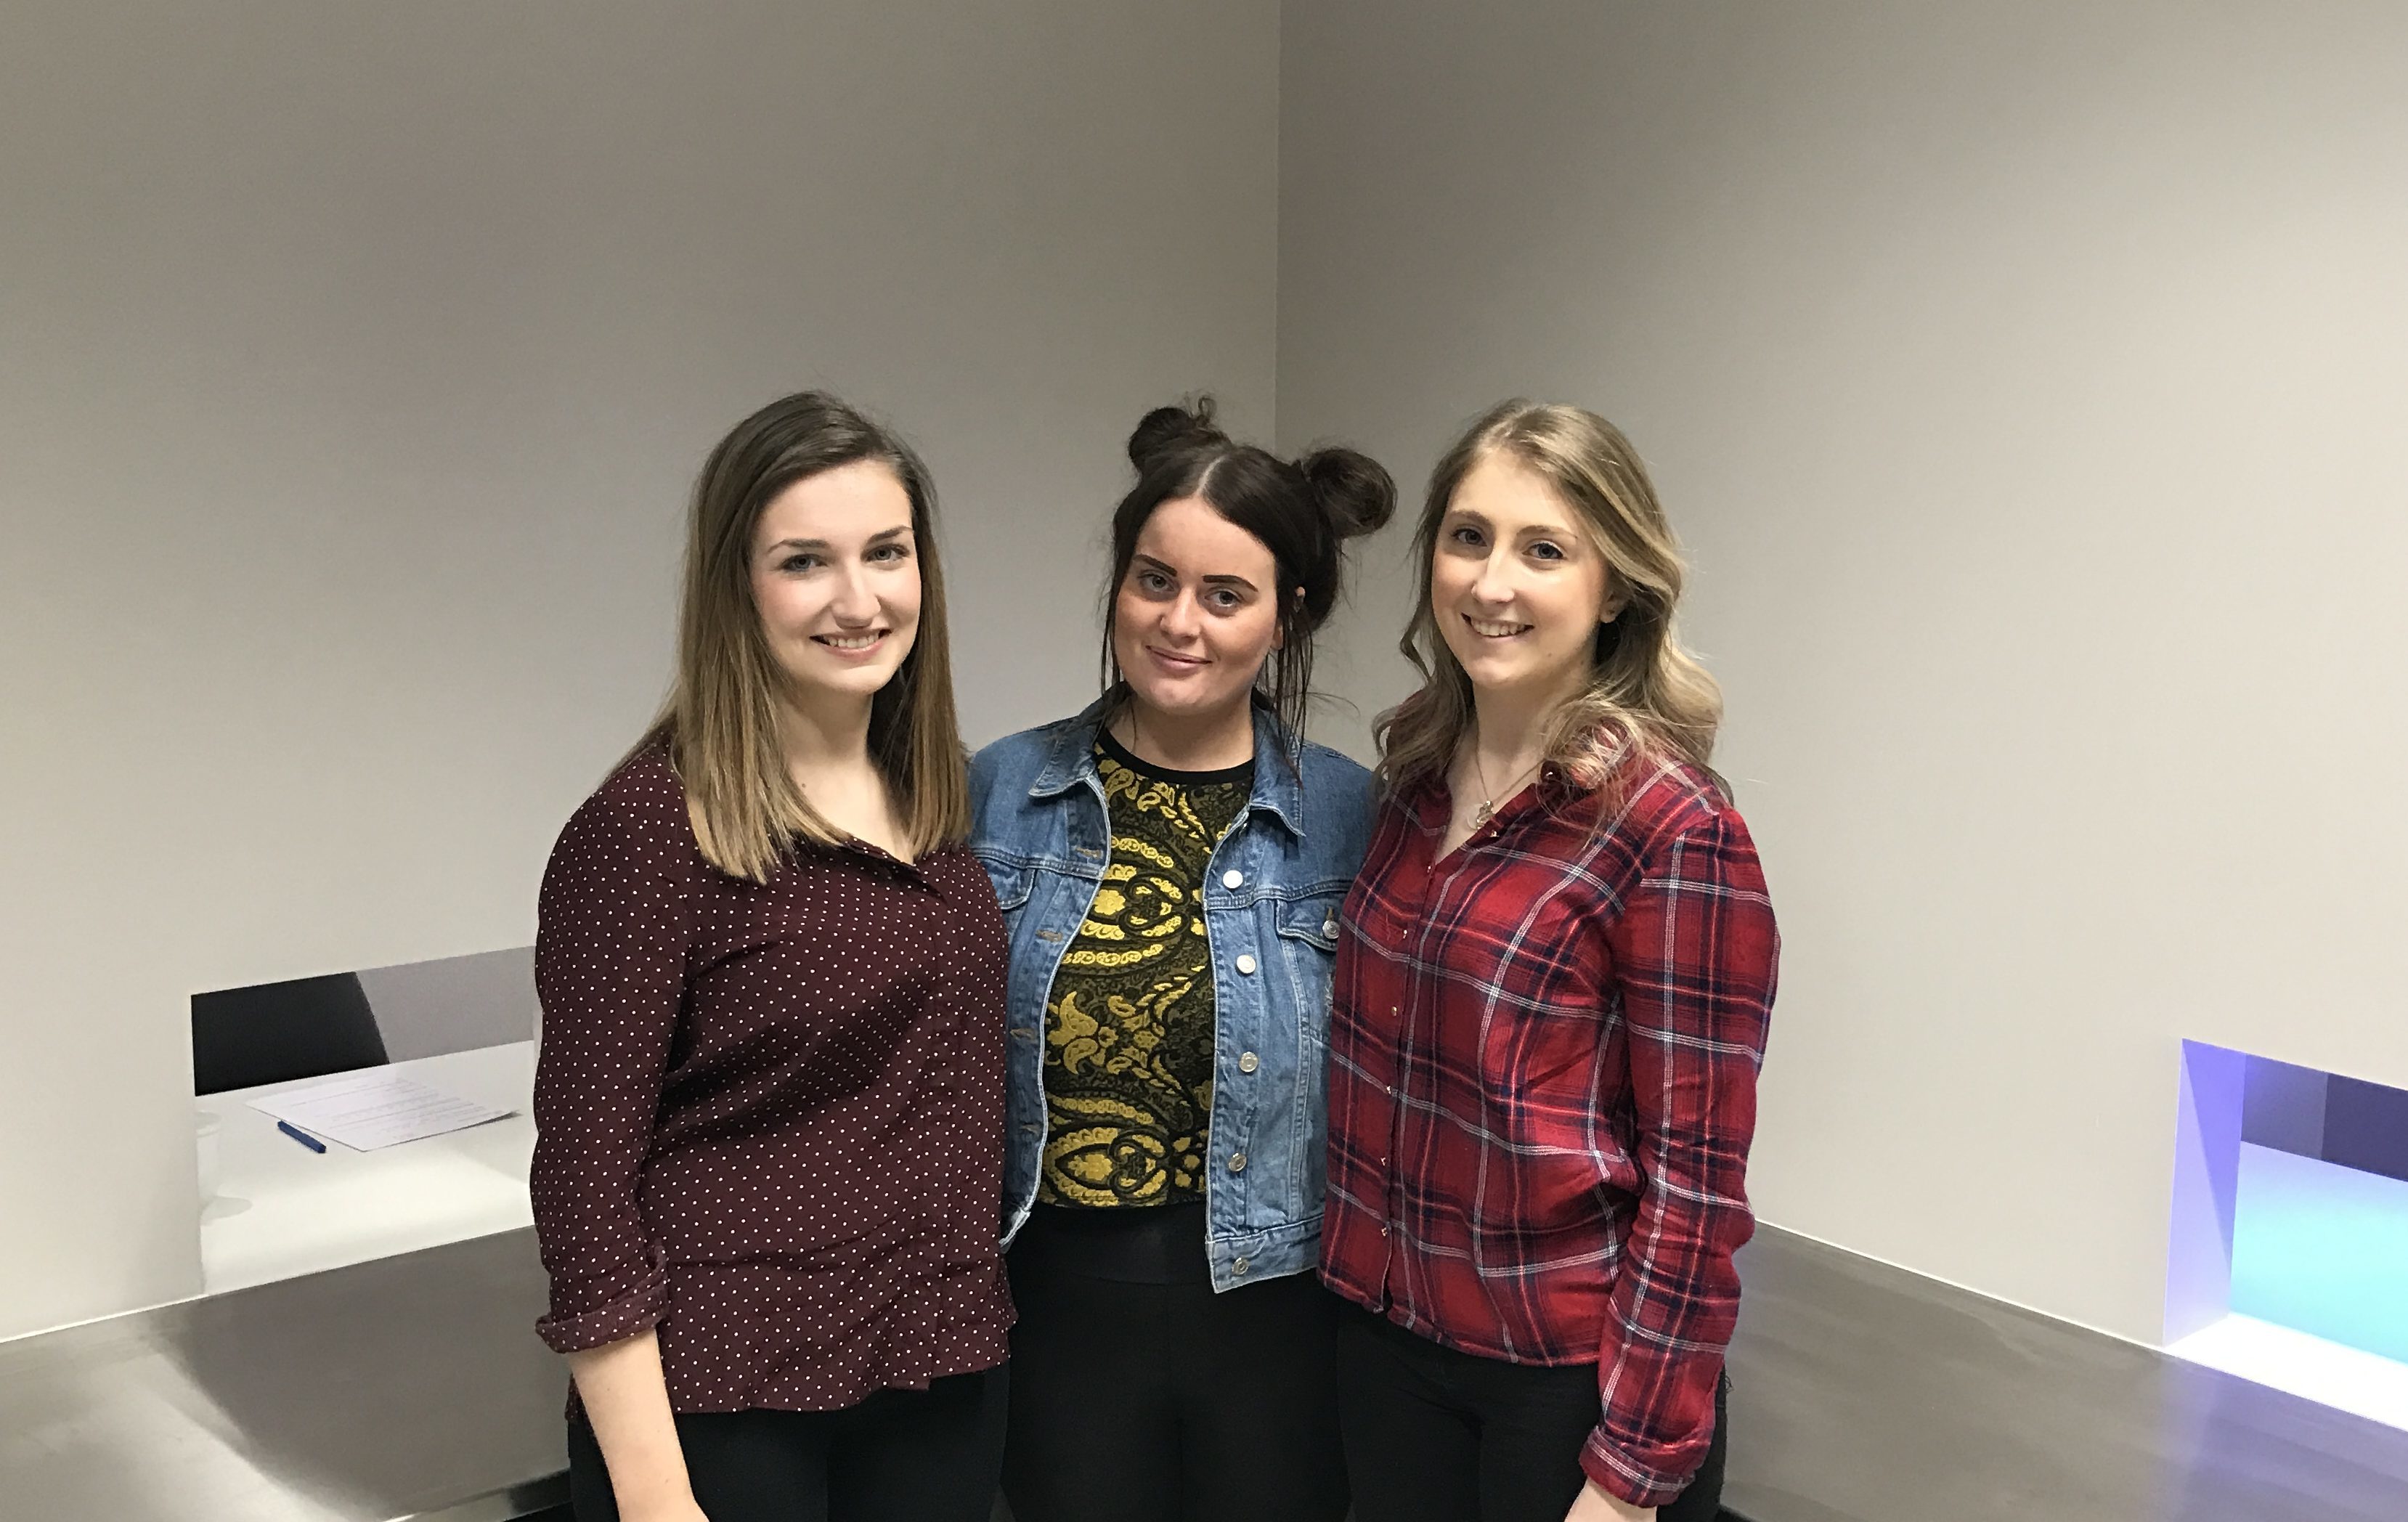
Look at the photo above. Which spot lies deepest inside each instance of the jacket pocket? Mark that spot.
(1313, 920)
(1307, 932)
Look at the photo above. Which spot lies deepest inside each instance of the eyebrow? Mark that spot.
(877, 539)
(1172, 571)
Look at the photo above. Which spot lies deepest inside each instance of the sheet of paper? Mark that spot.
(365, 1110)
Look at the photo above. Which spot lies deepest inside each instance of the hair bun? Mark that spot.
(1167, 430)
(1356, 495)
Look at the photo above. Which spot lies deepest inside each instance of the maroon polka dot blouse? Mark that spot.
(769, 1116)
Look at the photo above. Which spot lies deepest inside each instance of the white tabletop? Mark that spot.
(282, 1210)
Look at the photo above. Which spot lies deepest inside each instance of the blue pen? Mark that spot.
(301, 1135)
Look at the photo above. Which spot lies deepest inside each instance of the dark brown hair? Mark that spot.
(1303, 510)
(720, 724)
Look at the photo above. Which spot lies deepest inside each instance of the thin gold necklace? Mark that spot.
(1487, 810)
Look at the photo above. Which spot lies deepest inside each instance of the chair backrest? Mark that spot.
(273, 1032)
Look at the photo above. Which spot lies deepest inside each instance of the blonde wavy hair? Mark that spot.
(1646, 696)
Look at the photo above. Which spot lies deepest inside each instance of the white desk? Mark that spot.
(282, 1210)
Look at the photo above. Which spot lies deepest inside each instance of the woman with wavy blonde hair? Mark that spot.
(1553, 977)
(1640, 688)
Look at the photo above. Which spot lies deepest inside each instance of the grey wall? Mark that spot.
(356, 360)
(2028, 380)
(2024, 376)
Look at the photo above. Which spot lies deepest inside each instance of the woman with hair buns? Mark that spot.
(1171, 864)
(1552, 994)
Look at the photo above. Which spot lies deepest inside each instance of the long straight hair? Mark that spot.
(720, 724)
(1645, 697)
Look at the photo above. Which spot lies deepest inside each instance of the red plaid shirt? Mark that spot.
(1543, 1052)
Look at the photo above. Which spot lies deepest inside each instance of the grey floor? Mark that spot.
(1863, 1393)
(1860, 1393)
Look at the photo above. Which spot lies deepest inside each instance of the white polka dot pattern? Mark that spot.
(769, 1116)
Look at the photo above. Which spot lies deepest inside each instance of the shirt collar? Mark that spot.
(1279, 764)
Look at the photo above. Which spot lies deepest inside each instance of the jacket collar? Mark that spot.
(1278, 786)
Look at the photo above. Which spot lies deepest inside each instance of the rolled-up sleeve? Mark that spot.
(610, 965)
(1696, 955)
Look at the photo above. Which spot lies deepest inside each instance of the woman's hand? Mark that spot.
(1593, 1505)
(682, 1509)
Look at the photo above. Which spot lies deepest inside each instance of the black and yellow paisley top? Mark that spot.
(1128, 1022)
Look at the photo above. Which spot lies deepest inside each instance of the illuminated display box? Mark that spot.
(2287, 1259)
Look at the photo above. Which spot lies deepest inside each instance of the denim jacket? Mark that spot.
(1271, 894)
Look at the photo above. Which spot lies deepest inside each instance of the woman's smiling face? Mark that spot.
(1517, 586)
(836, 579)
(1198, 613)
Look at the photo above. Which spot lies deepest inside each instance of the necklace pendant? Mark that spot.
(1481, 815)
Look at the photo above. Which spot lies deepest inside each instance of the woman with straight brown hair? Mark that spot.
(1553, 977)
(770, 1093)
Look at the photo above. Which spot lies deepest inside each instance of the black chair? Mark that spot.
(276, 1031)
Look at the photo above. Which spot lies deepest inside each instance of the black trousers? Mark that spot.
(901, 1455)
(1139, 1394)
(1434, 1434)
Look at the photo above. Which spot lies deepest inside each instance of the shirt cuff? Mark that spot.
(638, 1310)
(1617, 1475)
